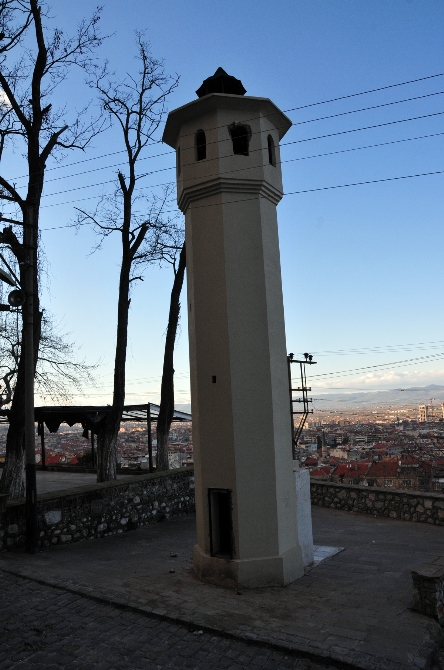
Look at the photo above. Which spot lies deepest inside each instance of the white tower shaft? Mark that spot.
(245, 491)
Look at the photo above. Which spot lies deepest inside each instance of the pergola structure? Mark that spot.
(92, 417)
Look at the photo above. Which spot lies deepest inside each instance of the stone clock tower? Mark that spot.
(228, 185)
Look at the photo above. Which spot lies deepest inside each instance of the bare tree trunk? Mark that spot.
(107, 450)
(12, 480)
(138, 108)
(166, 410)
(107, 437)
(13, 476)
(32, 119)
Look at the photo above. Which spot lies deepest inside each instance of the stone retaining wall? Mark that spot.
(84, 468)
(428, 589)
(97, 510)
(395, 504)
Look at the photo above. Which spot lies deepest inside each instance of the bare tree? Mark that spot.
(58, 372)
(137, 107)
(33, 62)
(166, 410)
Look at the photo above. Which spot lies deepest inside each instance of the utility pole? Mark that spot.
(305, 400)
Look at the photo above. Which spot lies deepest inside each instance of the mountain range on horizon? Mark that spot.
(399, 396)
(413, 395)
(430, 387)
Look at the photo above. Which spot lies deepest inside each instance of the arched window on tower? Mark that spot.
(240, 135)
(201, 145)
(178, 165)
(271, 151)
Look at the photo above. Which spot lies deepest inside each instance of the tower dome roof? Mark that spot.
(221, 82)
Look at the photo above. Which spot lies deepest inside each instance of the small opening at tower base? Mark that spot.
(220, 523)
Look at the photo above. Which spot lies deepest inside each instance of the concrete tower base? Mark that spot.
(250, 573)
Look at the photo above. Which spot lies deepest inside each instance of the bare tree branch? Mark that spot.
(30, 72)
(13, 194)
(57, 373)
(137, 106)
(11, 34)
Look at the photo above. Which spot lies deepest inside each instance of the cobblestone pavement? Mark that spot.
(42, 628)
(353, 608)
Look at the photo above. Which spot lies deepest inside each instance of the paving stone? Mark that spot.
(67, 647)
(356, 599)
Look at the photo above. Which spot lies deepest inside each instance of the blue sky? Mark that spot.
(362, 266)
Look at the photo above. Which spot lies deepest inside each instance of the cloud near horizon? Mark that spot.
(382, 380)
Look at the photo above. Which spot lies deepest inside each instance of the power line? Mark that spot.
(302, 158)
(365, 109)
(289, 160)
(330, 153)
(295, 124)
(310, 139)
(362, 183)
(384, 349)
(343, 132)
(312, 190)
(109, 167)
(346, 388)
(401, 365)
(372, 90)
(96, 158)
(356, 130)
(413, 361)
(368, 146)
(424, 359)
(109, 181)
(67, 202)
(412, 81)
(323, 102)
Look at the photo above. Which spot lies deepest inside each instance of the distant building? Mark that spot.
(322, 473)
(424, 413)
(310, 462)
(345, 453)
(400, 474)
(350, 473)
(324, 446)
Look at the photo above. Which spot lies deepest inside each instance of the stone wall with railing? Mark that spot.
(97, 510)
(392, 503)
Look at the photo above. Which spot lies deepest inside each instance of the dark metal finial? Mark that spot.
(221, 82)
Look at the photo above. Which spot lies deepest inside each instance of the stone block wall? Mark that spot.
(393, 503)
(97, 510)
(428, 589)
